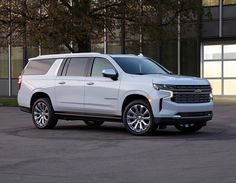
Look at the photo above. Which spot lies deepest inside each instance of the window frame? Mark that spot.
(52, 61)
(65, 65)
(90, 69)
(223, 78)
(62, 67)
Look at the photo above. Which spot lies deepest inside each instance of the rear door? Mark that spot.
(101, 93)
(69, 90)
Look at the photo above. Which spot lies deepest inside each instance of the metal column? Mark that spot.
(179, 39)
(105, 41)
(9, 70)
(220, 17)
(9, 54)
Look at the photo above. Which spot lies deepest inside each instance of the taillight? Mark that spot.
(19, 82)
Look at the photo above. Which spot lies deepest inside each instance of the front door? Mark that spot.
(101, 93)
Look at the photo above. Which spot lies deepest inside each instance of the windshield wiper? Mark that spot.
(157, 73)
(138, 73)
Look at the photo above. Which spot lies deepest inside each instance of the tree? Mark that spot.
(74, 23)
(156, 20)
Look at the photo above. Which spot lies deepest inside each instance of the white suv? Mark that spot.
(96, 87)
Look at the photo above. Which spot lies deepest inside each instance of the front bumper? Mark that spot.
(186, 118)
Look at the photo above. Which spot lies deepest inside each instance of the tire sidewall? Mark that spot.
(52, 120)
(151, 128)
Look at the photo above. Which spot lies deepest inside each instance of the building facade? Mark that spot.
(210, 52)
(218, 46)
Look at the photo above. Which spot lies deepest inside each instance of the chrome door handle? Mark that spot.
(62, 83)
(90, 83)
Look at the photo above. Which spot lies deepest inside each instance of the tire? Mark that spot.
(138, 118)
(189, 128)
(93, 123)
(43, 114)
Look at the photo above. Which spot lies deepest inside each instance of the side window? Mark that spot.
(77, 67)
(38, 67)
(98, 65)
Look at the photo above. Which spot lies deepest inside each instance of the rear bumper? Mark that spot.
(186, 118)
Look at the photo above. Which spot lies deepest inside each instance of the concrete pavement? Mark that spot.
(73, 152)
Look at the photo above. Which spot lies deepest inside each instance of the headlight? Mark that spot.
(164, 88)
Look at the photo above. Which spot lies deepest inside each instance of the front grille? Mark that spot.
(191, 93)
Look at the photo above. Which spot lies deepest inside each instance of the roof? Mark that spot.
(66, 55)
(122, 55)
(70, 55)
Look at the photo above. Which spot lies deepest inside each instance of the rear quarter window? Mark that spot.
(38, 67)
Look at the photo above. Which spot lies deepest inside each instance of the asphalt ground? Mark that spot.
(73, 152)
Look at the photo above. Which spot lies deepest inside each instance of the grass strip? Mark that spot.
(8, 101)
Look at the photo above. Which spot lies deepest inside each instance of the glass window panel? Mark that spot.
(3, 62)
(114, 48)
(38, 67)
(229, 24)
(230, 86)
(47, 50)
(17, 61)
(229, 2)
(100, 64)
(210, 2)
(212, 52)
(77, 67)
(97, 47)
(216, 86)
(230, 51)
(229, 69)
(33, 51)
(212, 69)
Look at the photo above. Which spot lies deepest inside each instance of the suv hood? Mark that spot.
(176, 79)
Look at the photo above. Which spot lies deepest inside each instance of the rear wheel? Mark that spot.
(138, 118)
(43, 114)
(93, 123)
(189, 128)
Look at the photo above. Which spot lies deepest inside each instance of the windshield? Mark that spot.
(139, 65)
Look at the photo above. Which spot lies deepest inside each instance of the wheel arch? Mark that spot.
(36, 96)
(131, 98)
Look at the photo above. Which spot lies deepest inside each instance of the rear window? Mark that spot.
(38, 67)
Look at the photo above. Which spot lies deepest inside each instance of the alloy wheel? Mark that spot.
(41, 114)
(138, 118)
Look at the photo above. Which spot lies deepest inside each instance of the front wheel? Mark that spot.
(43, 114)
(189, 128)
(138, 118)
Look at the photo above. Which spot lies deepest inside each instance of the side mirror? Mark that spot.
(110, 73)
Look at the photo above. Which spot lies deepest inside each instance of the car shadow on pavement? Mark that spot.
(119, 132)
(116, 131)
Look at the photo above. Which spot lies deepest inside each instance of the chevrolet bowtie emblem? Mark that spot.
(198, 91)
